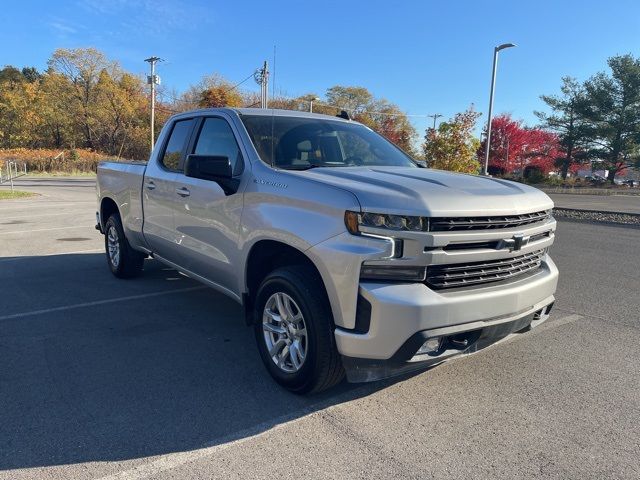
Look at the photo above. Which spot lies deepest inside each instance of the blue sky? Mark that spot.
(426, 56)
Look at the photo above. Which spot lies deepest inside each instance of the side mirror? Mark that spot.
(214, 168)
(208, 167)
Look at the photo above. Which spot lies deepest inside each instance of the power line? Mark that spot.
(167, 109)
(240, 83)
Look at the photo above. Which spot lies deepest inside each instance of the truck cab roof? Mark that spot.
(267, 112)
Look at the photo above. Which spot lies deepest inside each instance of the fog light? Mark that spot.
(431, 346)
(400, 273)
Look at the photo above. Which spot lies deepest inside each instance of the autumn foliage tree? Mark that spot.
(516, 149)
(82, 100)
(453, 146)
(379, 114)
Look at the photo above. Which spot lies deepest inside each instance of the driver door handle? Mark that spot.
(150, 185)
(183, 191)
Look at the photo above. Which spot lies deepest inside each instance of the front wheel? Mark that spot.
(123, 261)
(294, 331)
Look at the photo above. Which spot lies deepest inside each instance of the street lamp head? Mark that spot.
(505, 45)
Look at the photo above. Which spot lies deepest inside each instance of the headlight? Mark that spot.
(355, 220)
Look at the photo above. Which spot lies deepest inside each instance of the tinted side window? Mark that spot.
(216, 139)
(175, 146)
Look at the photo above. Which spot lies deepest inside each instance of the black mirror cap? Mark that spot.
(208, 167)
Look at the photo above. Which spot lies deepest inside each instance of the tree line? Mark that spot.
(596, 122)
(85, 100)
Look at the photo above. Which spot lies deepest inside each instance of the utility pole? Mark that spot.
(435, 116)
(153, 80)
(262, 78)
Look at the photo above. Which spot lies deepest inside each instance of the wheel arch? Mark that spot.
(264, 257)
(108, 207)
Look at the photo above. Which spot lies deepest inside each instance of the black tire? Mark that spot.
(322, 367)
(129, 262)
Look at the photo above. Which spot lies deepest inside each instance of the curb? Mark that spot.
(605, 212)
(621, 219)
(594, 192)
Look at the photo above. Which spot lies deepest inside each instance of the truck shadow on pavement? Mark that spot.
(97, 369)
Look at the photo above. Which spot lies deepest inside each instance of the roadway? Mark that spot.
(159, 377)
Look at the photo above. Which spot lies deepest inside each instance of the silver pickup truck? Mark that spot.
(346, 254)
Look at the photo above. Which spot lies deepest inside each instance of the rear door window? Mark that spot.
(176, 145)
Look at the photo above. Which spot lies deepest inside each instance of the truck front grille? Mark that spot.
(476, 273)
(451, 224)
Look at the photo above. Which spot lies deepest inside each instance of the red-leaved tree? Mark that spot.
(516, 148)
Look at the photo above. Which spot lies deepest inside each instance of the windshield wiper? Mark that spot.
(301, 167)
(310, 166)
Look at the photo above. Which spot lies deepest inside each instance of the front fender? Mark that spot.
(295, 211)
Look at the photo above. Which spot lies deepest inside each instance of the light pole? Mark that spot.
(435, 116)
(311, 100)
(493, 88)
(153, 80)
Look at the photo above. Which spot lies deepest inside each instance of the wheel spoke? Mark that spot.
(277, 347)
(282, 357)
(289, 309)
(298, 323)
(269, 327)
(302, 332)
(295, 355)
(271, 315)
(280, 305)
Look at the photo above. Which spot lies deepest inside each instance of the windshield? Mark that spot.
(300, 143)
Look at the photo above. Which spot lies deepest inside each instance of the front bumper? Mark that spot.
(402, 316)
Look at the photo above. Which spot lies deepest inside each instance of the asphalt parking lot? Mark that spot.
(158, 377)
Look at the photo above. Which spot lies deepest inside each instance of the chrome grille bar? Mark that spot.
(447, 224)
(460, 275)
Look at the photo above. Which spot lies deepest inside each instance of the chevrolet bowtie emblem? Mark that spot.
(515, 243)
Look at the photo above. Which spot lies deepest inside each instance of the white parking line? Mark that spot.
(164, 463)
(47, 229)
(98, 302)
(29, 216)
(41, 204)
(31, 257)
(170, 461)
(558, 322)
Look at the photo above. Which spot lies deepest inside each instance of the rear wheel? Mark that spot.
(294, 331)
(123, 261)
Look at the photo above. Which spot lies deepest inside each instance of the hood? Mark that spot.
(433, 193)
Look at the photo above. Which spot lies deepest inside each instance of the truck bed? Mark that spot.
(122, 182)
